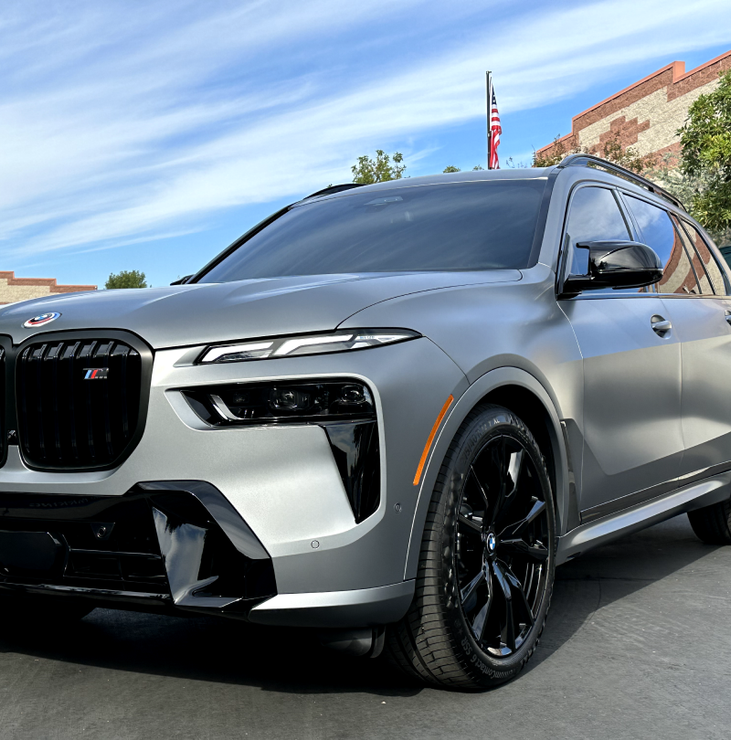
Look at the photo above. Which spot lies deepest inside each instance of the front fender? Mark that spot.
(487, 383)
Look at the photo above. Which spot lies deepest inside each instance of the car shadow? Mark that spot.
(292, 661)
(613, 572)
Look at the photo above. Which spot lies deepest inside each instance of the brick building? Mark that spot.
(14, 289)
(645, 115)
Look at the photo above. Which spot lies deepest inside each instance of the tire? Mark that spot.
(487, 562)
(712, 524)
(30, 611)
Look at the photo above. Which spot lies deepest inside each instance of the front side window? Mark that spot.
(480, 225)
(594, 215)
(657, 231)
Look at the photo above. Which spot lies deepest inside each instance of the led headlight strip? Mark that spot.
(312, 344)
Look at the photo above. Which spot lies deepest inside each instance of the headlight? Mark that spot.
(282, 402)
(313, 344)
(343, 407)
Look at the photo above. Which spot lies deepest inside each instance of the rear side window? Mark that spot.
(718, 281)
(480, 225)
(658, 232)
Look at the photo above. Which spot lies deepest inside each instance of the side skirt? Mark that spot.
(611, 527)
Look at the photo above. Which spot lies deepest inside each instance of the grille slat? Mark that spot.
(79, 402)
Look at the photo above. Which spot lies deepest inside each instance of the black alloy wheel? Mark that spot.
(487, 564)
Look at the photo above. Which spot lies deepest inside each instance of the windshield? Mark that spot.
(480, 225)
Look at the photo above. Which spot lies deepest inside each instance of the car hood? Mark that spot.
(219, 312)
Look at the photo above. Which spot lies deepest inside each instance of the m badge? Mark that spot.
(96, 373)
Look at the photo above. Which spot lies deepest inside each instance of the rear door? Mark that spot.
(632, 371)
(701, 322)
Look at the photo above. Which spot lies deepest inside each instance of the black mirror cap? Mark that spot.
(617, 264)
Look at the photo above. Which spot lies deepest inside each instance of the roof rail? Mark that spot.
(591, 160)
(331, 189)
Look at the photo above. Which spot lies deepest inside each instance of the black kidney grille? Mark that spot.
(78, 402)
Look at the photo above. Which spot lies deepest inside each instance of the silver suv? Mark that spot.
(386, 412)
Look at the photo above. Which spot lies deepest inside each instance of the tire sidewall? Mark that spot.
(490, 423)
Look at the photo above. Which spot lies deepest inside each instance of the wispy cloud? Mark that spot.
(119, 126)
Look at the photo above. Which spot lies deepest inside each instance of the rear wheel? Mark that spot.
(487, 565)
(712, 523)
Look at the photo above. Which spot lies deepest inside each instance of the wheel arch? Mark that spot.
(524, 395)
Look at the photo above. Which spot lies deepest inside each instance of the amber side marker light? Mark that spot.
(427, 446)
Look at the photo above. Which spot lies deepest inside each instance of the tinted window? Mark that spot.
(594, 216)
(658, 232)
(718, 282)
(462, 226)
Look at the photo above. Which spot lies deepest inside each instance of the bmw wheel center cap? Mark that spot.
(44, 318)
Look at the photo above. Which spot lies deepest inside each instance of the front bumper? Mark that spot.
(282, 483)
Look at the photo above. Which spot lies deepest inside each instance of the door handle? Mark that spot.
(660, 325)
(727, 315)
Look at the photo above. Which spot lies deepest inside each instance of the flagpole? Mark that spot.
(488, 80)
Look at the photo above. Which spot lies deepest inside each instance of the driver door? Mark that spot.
(633, 443)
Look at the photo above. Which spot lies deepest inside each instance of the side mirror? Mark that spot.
(616, 264)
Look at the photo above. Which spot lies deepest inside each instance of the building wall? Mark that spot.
(14, 289)
(645, 115)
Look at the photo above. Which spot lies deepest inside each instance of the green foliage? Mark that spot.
(368, 171)
(452, 168)
(126, 279)
(611, 150)
(706, 156)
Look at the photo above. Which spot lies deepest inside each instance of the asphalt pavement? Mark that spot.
(637, 645)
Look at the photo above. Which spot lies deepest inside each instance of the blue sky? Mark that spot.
(150, 135)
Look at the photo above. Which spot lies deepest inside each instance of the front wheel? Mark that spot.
(487, 566)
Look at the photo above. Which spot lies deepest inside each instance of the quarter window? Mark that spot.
(709, 266)
(657, 231)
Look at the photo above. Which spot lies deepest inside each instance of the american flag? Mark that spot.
(495, 131)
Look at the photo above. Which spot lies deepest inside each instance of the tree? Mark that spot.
(368, 171)
(611, 150)
(126, 279)
(706, 157)
(452, 168)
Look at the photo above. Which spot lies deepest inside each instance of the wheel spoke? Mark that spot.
(469, 590)
(500, 463)
(537, 551)
(517, 586)
(514, 530)
(514, 467)
(502, 580)
(478, 626)
(471, 523)
(483, 493)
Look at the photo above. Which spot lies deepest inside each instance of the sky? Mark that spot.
(148, 136)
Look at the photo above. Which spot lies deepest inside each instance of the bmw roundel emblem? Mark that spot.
(44, 318)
